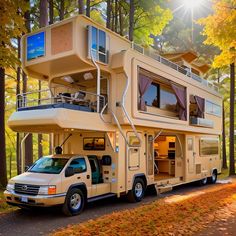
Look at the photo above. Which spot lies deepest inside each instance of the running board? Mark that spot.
(92, 199)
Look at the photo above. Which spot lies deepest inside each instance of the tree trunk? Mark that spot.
(88, 8)
(40, 136)
(224, 157)
(3, 164)
(62, 10)
(51, 12)
(116, 16)
(231, 129)
(18, 77)
(29, 140)
(108, 23)
(131, 20)
(121, 20)
(43, 16)
(81, 6)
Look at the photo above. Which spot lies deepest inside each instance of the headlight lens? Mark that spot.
(10, 187)
(47, 189)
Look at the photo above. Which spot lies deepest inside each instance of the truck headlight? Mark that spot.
(10, 187)
(47, 190)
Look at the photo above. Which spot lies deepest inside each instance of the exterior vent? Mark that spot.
(198, 168)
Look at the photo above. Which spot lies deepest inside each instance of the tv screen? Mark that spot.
(35, 46)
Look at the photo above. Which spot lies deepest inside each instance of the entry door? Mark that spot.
(190, 145)
(133, 151)
(150, 158)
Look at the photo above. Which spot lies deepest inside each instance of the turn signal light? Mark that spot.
(52, 190)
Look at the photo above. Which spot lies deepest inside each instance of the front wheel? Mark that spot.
(74, 202)
(136, 194)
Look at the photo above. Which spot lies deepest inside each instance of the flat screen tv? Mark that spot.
(35, 46)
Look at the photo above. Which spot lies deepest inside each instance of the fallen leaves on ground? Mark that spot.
(185, 216)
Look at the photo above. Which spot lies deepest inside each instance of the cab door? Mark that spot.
(82, 174)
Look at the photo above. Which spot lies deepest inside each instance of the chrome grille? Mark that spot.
(27, 189)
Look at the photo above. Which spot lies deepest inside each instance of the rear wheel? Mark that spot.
(213, 177)
(74, 203)
(203, 181)
(136, 194)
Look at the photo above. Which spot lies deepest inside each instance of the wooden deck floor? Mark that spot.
(161, 176)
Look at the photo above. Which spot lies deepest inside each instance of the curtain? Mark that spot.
(144, 84)
(180, 94)
(200, 105)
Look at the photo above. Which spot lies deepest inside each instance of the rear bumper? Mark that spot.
(16, 199)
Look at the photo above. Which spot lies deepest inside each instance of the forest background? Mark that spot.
(207, 28)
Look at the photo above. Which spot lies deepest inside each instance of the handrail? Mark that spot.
(124, 110)
(23, 153)
(119, 127)
(98, 78)
(174, 66)
(23, 101)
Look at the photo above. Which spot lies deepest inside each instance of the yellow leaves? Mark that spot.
(220, 29)
(12, 25)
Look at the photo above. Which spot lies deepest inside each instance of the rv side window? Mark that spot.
(209, 146)
(212, 108)
(98, 44)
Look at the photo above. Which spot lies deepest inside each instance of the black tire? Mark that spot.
(74, 202)
(136, 194)
(203, 181)
(213, 178)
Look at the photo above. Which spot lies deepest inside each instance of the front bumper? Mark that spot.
(16, 199)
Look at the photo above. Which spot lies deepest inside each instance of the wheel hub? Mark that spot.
(138, 190)
(75, 201)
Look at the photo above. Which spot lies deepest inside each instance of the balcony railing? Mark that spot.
(42, 99)
(174, 66)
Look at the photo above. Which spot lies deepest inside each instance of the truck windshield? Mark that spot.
(49, 165)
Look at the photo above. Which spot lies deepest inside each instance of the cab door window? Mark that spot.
(79, 165)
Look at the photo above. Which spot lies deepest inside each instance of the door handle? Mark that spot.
(78, 177)
(88, 176)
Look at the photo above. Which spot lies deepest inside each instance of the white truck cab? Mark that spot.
(58, 180)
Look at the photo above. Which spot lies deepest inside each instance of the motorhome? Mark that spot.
(121, 117)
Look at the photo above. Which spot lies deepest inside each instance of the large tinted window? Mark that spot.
(209, 146)
(151, 97)
(49, 165)
(168, 99)
(79, 165)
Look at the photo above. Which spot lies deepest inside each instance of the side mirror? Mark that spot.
(69, 171)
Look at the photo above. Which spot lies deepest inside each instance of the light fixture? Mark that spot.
(88, 76)
(68, 79)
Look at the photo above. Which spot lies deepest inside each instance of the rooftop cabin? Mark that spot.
(97, 79)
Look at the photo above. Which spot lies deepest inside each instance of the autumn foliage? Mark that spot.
(177, 215)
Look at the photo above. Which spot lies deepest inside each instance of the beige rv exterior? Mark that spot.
(163, 144)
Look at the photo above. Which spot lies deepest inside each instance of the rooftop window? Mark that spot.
(98, 44)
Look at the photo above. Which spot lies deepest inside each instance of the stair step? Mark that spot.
(163, 189)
